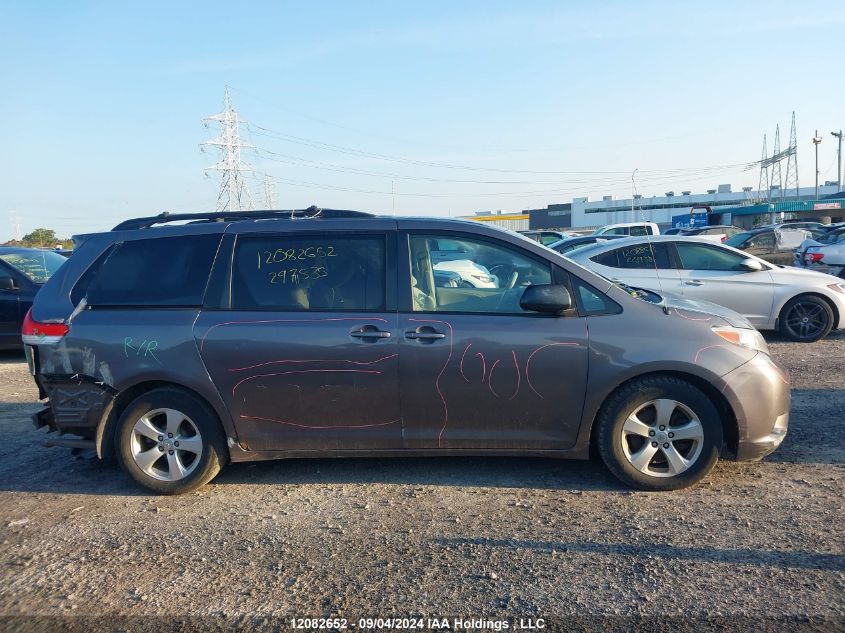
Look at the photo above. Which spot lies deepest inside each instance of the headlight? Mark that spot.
(750, 339)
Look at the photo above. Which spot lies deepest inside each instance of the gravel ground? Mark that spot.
(472, 538)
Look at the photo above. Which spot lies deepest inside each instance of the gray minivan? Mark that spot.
(178, 343)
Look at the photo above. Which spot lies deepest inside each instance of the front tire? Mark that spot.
(659, 433)
(806, 319)
(170, 441)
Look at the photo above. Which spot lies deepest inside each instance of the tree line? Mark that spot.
(41, 238)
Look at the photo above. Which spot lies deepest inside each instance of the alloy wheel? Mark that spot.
(806, 320)
(662, 438)
(166, 444)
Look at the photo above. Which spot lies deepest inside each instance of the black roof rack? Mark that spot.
(233, 216)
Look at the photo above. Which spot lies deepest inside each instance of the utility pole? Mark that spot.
(816, 141)
(268, 193)
(16, 222)
(839, 176)
(633, 193)
(234, 194)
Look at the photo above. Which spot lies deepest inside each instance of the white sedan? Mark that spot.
(804, 305)
(472, 274)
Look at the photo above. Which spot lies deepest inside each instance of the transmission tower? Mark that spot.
(763, 191)
(776, 174)
(234, 194)
(791, 181)
(269, 190)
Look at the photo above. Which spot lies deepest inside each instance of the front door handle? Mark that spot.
(694, 282)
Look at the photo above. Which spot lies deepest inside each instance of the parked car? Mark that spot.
(789, 226)
(263, 335)
(825, 253)
(804, 305)
(472, 274)
(629, 228)
(772, 245)
(22, 273)
(675, 230)
(568, 245)
(545, 237)
(716, 232)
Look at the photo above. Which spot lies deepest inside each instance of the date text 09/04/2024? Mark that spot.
(416, 623)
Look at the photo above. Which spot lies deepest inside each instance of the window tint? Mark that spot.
(591, 301)
(38, 266)
(635, 256)
(165, 271)
(765, 241)
(482, 276)
(701, 257)
(640, 230)
(319, 273)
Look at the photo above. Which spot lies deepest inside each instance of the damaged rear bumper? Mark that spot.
(76, 405)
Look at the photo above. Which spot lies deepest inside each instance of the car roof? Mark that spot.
(216, 222)
(636, 239)
(585, 238)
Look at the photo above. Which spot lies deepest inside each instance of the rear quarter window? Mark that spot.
(635, 256)
(165, 271)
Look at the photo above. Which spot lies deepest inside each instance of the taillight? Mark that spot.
(812, 258)
(35, 333)
(724, 237)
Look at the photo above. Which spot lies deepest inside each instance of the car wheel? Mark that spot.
(806, 319)
(170, 441)
(659, 433)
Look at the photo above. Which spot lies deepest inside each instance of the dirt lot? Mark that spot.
(476, 538)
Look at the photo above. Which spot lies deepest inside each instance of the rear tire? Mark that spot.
(170, 441)
(659, 433)
(805, 319)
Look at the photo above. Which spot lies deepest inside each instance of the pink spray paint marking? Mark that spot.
(437, 381)
(304, 371)
(462, 362)
(531, 355)
(322, 428)
(483, 365)
(351, 362)
(518, 377)
(266, 321)
(490, 379)
(698, 353)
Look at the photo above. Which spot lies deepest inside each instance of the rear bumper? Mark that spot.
(76, 404)
(759, 393)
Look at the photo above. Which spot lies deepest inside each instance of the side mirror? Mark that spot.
(751, 265)
(7, 283)
(546, 298)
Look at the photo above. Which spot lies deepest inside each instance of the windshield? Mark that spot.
(737, 239)
(39, 266)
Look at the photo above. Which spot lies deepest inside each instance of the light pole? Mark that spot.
(839, 176)
(816, 140)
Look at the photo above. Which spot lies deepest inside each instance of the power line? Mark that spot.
(341, 149)
(304, 162)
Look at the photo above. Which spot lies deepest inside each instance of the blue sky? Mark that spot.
(103, 102)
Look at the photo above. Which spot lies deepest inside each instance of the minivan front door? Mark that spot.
(477, 371)
(305, 349)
